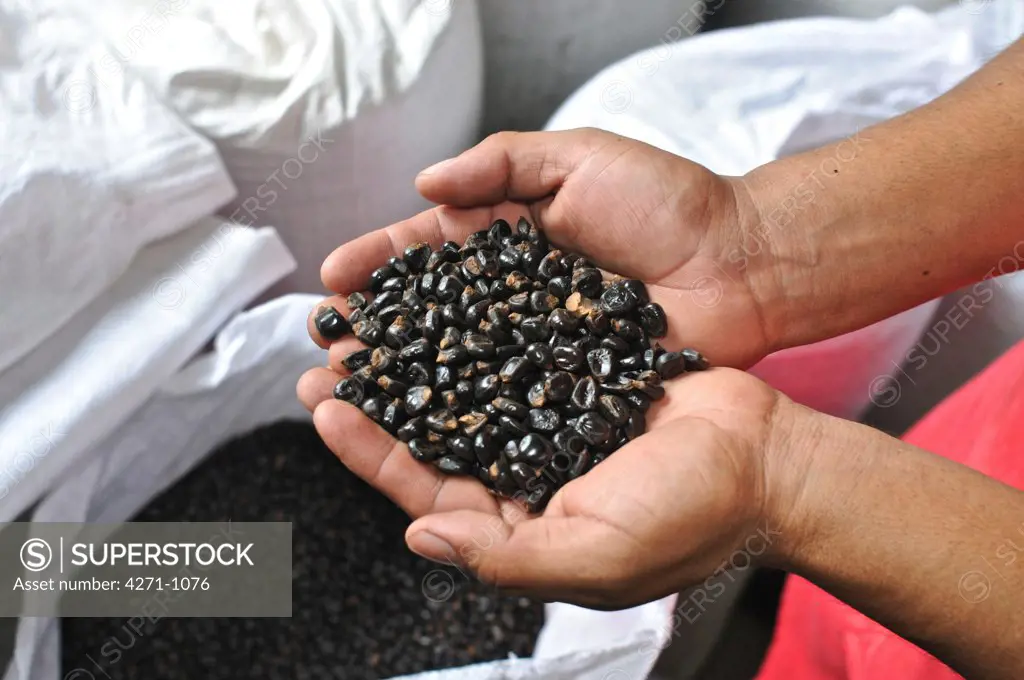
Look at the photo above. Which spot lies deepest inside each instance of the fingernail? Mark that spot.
(436, 167)
(426, 544)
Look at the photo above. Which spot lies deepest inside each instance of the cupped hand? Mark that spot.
(631, 208)
(662, 513)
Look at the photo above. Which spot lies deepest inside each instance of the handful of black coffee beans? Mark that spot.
(506, 359)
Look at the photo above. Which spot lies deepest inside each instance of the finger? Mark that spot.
(338, 302)
(517, 166)
(315, 386)
(385, 463)
(549, 554)
(349, 267)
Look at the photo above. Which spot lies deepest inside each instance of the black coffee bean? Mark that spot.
(500, 229)
(670, 365)
(428, 284)
(449, 288)
(356, 301)
(541, 355)
(473, 422)
(373, 408)
(550, 266)
(482, 288)
(396, 388)
(480, 346)
(695, 361)
(475, 313)
(638, 400)
(418, 350)
(653, 319)
(467, 372)
(511, 391)
(433, 325)
(535, 329)
(542, 302)
(378, 277)
(350, 390)
(531, 260)
(560, 287)
(370, 332)
(444, 378)
(425, 451)
(464, 391)
(512, 428)
(450, 337)
(511, 407)
(356, 316)
(539, 498)
(509, 259)
(417, 399)
(558, 386)
(454, 356)
(545, 420)
(398, 334)
(395, 285)
(330, 324)
(615, 409)
(500, 290)
(415, 256)
(442, 421)
(636, 426)
(535, 395)
(463, 448)
(586, 281)
(514, 370)
(615, 344)
(584, 395)
(394, 416)
(601, 363)
(486, 448)
(599, 323)
(594, 429)
(454, 465)
(453, 316)
(536, 450)
(627, 330)
(419, 374)
(413, 428)
(357, 359)
(563, 321)
(486, 388)
(487, 260)
(523, 474)
(568, 358)
(520, 302)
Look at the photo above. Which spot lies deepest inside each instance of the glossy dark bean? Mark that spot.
(394, 285)
(450, 400)
(638, 400)
(398, 334)
(563, 321)
(535, 329)
(618, 299)
(523, 474)
(356, 316)
(499, 230)
(433, 325)
(424, 450)
(540, 355)
(653, 320)
(509, 259)
(536, 396)
(536, 450)
(615, 344)
(417, 399)
(462, 447)
(486, 388)
(511, 427)
(531, 260)
(670, 364)
(480, 346)
(581, 465)
(545, 420)
(454, 356)
(453, 316)
(415, 256)
(542, 302)
(373, 408)
(350, 390)
(599, 323)
(558, 386)
(500, 290)
(550, 266)
(472, 423)
(466, 372)
(511, 407)
(357, 359)
(442, 421)
(560, 287)
(601, 362)
(584, 395)
(444, 378)
(394, 416)
(586, 281)
(615, 409)
(475, 313)
(378, 277)
(539, 498)
(627, 330)
(636, 426)
(594, 429)
(418, 350)
(514, 370)
(695, 361)
(464, 391)
(396, 388)
(568, 358)
(454, 465)
(370, 332)
(419, 374)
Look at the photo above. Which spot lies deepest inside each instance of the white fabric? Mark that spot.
(736, 99)
(90, 164)
(73, 390)
(323, 110)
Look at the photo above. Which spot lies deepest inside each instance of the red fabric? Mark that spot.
(820, 638)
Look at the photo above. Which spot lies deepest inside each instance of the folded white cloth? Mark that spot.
(92, 168)
(78, 386)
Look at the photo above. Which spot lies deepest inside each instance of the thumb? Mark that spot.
(517, 166)
(550, 554)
